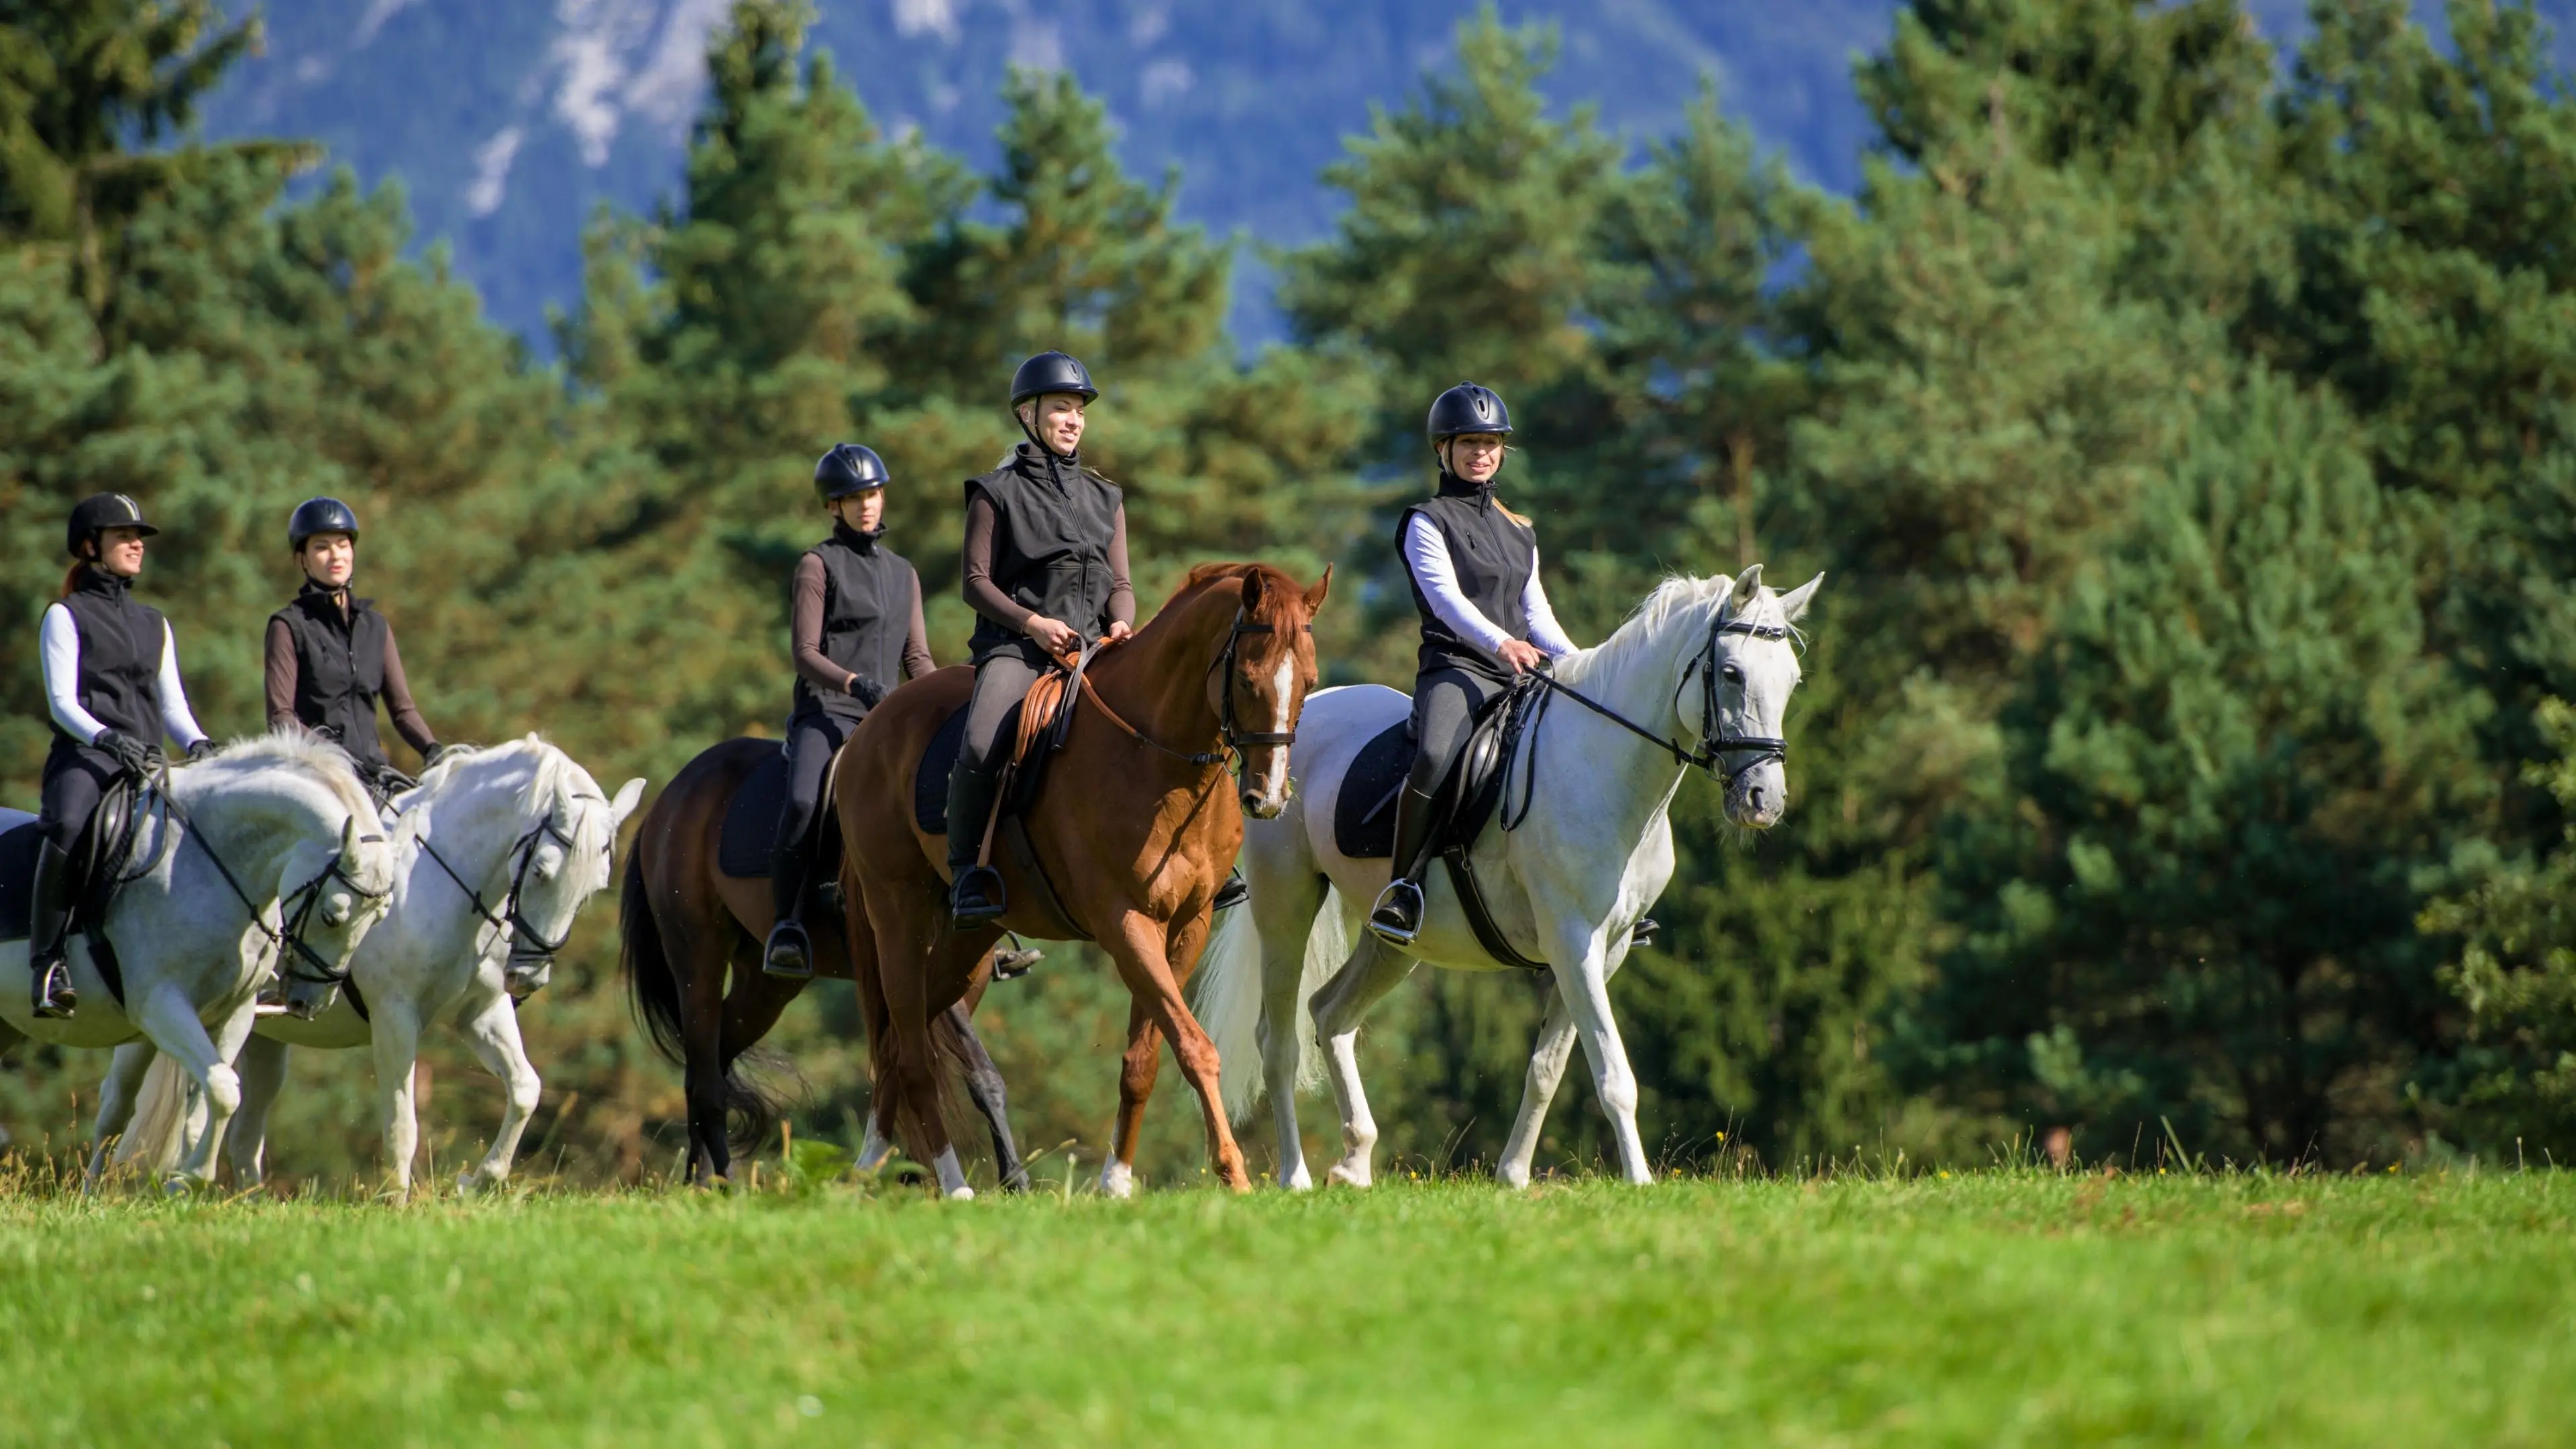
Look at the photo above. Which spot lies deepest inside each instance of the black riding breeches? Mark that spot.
(812, 739)
(1446, 703)
(76, 778)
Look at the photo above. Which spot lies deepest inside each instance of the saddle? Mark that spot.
(1037, 727)
(1364, 811)
(101, 857)
(751, 828)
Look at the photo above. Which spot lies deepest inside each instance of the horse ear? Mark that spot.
(628, 796)
(1251, 590)
(1323, 589)
(1793, 604)
(349, 840)
(1748, 587)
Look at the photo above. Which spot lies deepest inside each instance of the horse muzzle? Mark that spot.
(1759, 797)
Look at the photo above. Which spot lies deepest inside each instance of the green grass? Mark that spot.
(1991, 1308)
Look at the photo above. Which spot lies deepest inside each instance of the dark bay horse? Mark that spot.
(691, 948)
(1131, 833)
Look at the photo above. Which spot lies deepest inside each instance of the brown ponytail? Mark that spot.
(71, 578)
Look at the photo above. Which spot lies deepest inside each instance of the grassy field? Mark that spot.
(1990, 1308)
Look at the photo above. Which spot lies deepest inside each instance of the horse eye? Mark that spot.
(1732, 675)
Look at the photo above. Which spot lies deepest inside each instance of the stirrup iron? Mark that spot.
(1397, 917)
(789, 952)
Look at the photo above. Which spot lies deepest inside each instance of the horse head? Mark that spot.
(1267, 669)
(567, 857)
(1744, 677)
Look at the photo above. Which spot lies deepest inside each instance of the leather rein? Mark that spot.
(299, 959)
(1231, 736)
(527, 943)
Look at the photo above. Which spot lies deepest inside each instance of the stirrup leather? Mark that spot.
(1397, 917)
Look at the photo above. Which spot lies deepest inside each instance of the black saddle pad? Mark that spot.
(1364, 813)
(751, 821)
(17, 879)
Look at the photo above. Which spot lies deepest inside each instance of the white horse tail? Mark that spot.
(159, 1128)
(1226, 998)
(1225, 995)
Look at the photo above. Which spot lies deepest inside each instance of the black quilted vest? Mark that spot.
(1053, 525)
(867, 610)
(1491, 557)
(120, 655)
(339, 667)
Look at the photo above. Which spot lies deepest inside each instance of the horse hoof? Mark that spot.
(1117, 1180)
(961, 1194)
(1298, 1181)
(1350, 1176)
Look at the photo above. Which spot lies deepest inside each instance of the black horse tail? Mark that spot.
(653, 990)
(651, 987)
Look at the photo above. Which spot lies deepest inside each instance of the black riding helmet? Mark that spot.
(849, 468)
(1051, 372)
(99, 512)
(319, 515)
(1468, 408)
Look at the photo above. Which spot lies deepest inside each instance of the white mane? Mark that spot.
(553, 783)
(291, 747)
(1647, 637)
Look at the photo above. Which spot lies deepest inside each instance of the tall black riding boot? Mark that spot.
(790, 952)
(1397, 917)
(975, 893)
(50, 917)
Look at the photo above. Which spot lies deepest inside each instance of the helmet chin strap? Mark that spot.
(1042, 444)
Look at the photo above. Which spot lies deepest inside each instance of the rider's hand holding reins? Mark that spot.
(1521, 655)
(132, 754)
(1053, 635)
(1118, 632)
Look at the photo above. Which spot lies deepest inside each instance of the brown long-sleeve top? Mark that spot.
(283, 671)
(805, 629)
(987, 599)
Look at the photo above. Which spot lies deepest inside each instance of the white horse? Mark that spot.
(1705, 665)
(271, 848)
(499, 850)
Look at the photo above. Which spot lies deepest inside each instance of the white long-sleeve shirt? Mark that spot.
(59, 641)
(1426, 553)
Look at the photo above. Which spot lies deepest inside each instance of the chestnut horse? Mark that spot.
(683, 923)
(1131, 833)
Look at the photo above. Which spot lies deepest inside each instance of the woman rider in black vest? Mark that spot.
(331, 656)
(855, 630)
(1485, 617)
(112, 687)
(1046, 573)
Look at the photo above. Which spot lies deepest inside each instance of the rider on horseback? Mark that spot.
(331, 656)
(112, 686)
(1485, 617)
(1046, 572)
(856, 631)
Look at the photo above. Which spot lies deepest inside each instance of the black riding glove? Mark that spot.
(866, 691)
(201, 750)
(132, 755)
(432, 755)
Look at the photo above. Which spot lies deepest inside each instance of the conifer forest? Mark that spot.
(2185, 424)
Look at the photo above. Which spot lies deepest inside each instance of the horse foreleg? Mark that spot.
(170, 1020)
(984, 1087)
(262, 1064)
(395, 1029)
(1538, 1089)
(1373, 970)
(493, 1033)
(1137, 1068)
(125, 1071)
(1140, 949)
(1584, 987)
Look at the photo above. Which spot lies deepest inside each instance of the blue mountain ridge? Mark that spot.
(508, 122)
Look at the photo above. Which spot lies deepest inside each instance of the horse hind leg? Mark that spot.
(262, 1064)
(394, 1033)
(956, 1034)
(1373, 970)
(116, 1106)
(1137, 1068)
(911, 944)
(1285, 932)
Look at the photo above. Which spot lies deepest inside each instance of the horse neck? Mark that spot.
(473, 816)
(1157, 681)
(258, 819)
(1639, 679)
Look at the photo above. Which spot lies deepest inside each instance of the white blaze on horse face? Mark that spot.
(1274, 781)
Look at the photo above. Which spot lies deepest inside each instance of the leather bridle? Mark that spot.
(529, 947)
